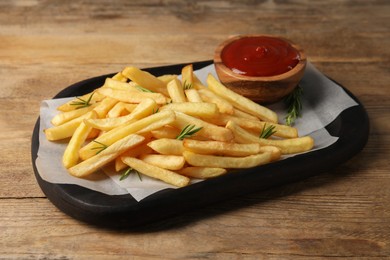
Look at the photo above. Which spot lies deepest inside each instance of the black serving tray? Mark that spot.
(123, 211)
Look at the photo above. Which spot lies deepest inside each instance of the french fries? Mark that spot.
(169, 129)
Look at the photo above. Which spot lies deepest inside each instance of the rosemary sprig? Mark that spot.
(143, 89)
(126, 174)
(294, 104)
(155, 110)
(99, 148)
(81, 102)
(188, 131)
(187, 85)
(266, 132)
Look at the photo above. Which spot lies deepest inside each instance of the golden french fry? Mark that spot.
(249, 161)
(145, 80)
(64, 117)
(119, 77)
(208, 130)
(143, 109)
(167, 77)
(202, 172)
(187, 76)
(106, 156)
(132, 96)
(286, 146)
(165, 132)
(80, 102)
(221, 148)
(203, 110)
(210, 97)
(118, 85)
(132, 152)
(283, 131)
(175, 91)
(241, 114)
(143, 125)
(169, 162)
(275, 151)
(65, 130)
(192, 95)
(118, 110)
(71, 154)
(104, 106)
(241, 102)
(167, 146)
(156, 172)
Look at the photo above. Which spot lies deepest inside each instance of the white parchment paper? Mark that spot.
(322, 102)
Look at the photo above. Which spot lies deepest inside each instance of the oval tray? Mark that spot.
(123, 211)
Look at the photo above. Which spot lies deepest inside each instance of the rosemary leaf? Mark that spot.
(294, 105)
(267, 132)
(188, 131)
(187, 85)
(143, 89)
(82, 103)
(99, 148)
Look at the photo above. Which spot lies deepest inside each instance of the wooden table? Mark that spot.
(47, 45)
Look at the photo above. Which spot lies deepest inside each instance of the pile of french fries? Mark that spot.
(169, 129)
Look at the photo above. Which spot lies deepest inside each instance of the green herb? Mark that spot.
(155, 110)
(294, 104)
(266, 132)
(99, 148)
(188, 131)
(81, 102)
(143, 89)
(187, 85)
(126, 174)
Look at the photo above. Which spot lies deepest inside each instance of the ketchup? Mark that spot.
(260, 56)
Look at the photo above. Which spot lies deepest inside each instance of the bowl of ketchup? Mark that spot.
(263, 68)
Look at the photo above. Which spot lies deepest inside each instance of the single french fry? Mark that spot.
(71, 153)
(118, 110)
(187, 76)
(104, 106)
(143, 125)
(166, 132)
(241, 102)
(167, 146)
(221, 148)
(119, 77)
(192, 95)
(167, 77)
(175, 91)
(241, 114)
(275, 151)
(286, 146)
(132, 96)
(169, 162)
(208, 130)
(202, 109)
(130, 107)
(76, 103)
(143, 109)
(64, 117)
(283, 131)
(65, 130)
(156, 172)
(106, 156)
(202, 172)
(225, 161)
(145, 80)
(210, 97)
(132, 152)
(118, 85)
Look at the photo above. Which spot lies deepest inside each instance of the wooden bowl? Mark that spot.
(262, 89)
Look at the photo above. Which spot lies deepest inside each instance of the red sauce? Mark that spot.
(260, 56)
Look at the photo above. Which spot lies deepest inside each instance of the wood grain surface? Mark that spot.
(47, 45)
